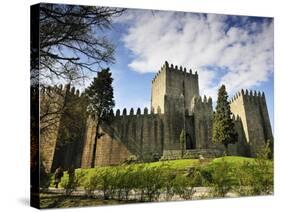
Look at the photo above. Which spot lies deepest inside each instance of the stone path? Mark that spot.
(200, 193)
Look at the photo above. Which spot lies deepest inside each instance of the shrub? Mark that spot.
(152, 182)
(71, 184)
(222, 181)
(126, 182)
(256, 178)
(169, 177)
(91, 183)
(183, 186)
(106, 182)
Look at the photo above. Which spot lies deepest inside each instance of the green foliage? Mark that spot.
(100, 95)
(221, 180)
(124, 179)
(183, 187)
(223, 125)
(256, 178)
(105, 182)
(147, 181)
(71, 184)
(91, 183)
(169, 176)
(152, 182)
(100, 102)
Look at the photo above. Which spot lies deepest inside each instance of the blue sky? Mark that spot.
(233, 50)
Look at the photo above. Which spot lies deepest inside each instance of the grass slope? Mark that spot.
(179, 166)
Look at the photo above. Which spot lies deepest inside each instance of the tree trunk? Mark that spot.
(95, 143)
(226, 153)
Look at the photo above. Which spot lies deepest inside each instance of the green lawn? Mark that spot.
(233, 171)
(178, 165)
(182, 164)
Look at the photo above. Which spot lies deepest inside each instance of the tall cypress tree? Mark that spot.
(101, 102)
(223, 126)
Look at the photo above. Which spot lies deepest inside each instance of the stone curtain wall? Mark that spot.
(51, 101)
(70, 139)
(63, 129)
(140, 134)
(251, 108)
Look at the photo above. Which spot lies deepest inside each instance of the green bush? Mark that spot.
(125, 180)
(169, 176)
(91, 183)
(153, 182)
(183, 186)
(148, 180)
(222, 180)
(106, 182)
(256, 178)
(71, 184)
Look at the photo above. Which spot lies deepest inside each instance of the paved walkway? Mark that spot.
(200, 193)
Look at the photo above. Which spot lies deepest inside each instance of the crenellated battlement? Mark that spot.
(175, 69)
(248, 95)
(198, 100)
(61, 89)
(235, 117)
(139, 112)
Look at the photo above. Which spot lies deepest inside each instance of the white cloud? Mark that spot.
(242, 53)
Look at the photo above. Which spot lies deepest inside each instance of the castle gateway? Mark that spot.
(176, 106)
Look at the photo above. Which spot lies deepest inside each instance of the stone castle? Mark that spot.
(176, 106)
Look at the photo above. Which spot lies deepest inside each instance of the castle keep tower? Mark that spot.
(175, 85)
(252, 110)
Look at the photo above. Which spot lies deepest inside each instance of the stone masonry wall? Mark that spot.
(51, 102)
(180, 82)
(251, 108)
(62, 127)
(158, 90)
(203, 122)
(173, 82)
(137, 134)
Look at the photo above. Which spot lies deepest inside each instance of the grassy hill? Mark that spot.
(241, 175)
(207, 166)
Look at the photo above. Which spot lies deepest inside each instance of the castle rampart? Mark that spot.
(176, 106)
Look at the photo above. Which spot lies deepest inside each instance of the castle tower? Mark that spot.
(56, 103)
(173, 84)
(252, 110)
(202, 111)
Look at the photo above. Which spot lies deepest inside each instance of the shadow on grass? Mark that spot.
(64, 201)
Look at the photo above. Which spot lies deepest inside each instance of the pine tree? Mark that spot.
(101, 102)
(223, 126)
